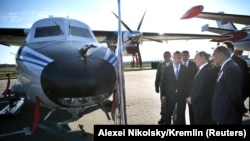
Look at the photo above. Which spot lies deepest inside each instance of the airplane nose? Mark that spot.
(77, 78)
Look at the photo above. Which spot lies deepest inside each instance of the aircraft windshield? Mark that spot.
(48, 31)
(78, 31)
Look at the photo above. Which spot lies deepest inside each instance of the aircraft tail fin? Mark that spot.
(238, 52)
(226, 25)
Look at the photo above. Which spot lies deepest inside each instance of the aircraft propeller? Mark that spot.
(140, 41)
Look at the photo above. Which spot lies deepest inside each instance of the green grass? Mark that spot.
(136, 68)
(129, 68)
(7, 70)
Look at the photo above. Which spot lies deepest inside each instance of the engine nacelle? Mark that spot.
(130, 48)
(130, 41)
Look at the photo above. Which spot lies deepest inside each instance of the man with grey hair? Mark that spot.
(227, 102)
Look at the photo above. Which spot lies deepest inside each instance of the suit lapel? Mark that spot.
(220, 74)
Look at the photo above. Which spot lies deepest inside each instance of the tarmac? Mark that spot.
(142, 108)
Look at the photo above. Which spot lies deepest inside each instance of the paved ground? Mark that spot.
(142, 108)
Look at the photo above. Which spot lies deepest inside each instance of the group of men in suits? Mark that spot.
(182, 72)
(215, 95)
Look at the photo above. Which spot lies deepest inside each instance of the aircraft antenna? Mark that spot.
(121, 86)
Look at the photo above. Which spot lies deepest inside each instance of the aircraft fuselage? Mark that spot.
(243, 44)
(63, 65)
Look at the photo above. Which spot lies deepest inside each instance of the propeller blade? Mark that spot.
(123, 23)
(139, 26)
(139, 56)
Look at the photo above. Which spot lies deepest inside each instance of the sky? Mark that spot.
(161, 16)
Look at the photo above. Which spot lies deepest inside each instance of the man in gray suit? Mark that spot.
(227, 102)
(201, 90)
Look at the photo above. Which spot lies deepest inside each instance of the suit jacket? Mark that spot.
(201, 91)
(175, 92)
(192, 69)
(227, 101)
(159, 73)
(244, 67)
(170, 84)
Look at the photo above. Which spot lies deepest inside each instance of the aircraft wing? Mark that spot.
(158, 37)
(16, 36)
(101, 36)
(221, 31)
(12, 36)
(181, 36)
(236, 35)
(240, 19)
(196, 12)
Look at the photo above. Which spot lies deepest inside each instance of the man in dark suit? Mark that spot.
(158, 78)
(227, 102)
(201, 90)
(192, 69)
(244, 67)
(174, 84)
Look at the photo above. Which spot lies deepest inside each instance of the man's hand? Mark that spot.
(163, 99)
(188, 100)
(157, 90)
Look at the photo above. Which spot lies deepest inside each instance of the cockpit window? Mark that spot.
(48, 31)
(78, 31)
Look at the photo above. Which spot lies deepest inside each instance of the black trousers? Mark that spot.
(178, 101)
(191, 114)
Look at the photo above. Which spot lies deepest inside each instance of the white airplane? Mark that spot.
(225, 22)
(61, 65)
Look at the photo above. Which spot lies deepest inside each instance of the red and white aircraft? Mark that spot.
(225, 22)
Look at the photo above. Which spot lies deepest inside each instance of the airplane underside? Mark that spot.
(72, 115)
(15, 101)
(52, 120)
